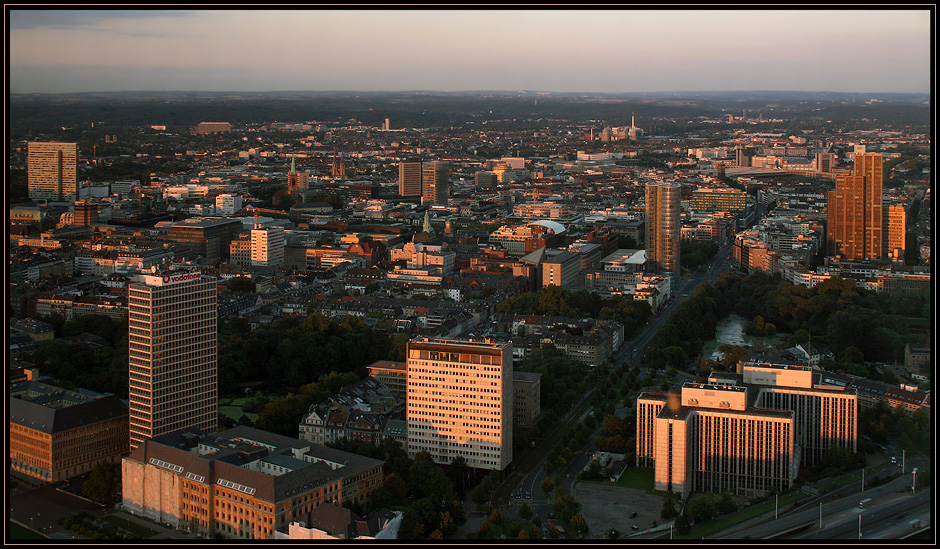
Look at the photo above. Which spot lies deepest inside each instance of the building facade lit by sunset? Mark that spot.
(460, 401)
(746, 433)
(854, 211)
(409, 179)
(52, 171)
(172, 354)
(435, 183)
(662, 227)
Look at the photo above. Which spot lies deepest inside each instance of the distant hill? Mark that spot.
(49, 112)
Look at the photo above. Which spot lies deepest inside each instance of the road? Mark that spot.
(529, 488)
(891, 509)
(720, 264)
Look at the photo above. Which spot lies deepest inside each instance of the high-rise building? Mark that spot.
(895, 231)
(267, 246)
(720, 199)
(855, 218)
(745, 433)
(435, 186)
(662, 227)
(409, 179)
(825, 162)
(460, 401)
(485, 180)
(172, 354)
(52, 171)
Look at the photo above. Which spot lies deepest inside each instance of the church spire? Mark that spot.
(293, 165)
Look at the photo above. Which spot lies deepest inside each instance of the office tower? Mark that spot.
(267, 246)
(204, 237)
(855, 211)
(52, 171)
(485, 180)
(460, 401)
(387, 125)
(434, 182)
(745, 433)
(707, 440)
(409, 179)
(895, 232)
(86, 213)
(721, 199)
(741, 159)
(173, 348)
(662, 227)
(825, 162)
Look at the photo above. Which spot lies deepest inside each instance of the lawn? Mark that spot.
(137, 530)
(637, 477)
(18, 532)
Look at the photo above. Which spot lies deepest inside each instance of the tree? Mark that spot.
(525, 511)
(240, 284)
(103, 480)
(726, 504)
(578, 523)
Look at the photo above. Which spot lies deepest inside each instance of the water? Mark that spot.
(730, 330)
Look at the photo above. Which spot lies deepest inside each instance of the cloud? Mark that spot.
(22, 19)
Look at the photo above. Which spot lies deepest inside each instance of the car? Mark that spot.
(635, 527)
(894, 460)
(633, 514)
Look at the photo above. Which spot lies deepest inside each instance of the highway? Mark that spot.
(886, 517)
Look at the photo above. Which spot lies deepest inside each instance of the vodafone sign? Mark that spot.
(171, 278)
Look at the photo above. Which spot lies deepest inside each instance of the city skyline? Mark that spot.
(602, 51)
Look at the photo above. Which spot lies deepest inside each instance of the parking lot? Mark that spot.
(606, 506)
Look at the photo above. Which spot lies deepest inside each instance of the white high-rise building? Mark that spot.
(228, 204)
(267, 246)
(172, 354)
(460, 401)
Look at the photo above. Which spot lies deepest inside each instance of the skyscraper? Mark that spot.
(52, 171)
(895, 232)
(855, 217)
(662, 227)
(409, 179)
(172, 354)
(434, 182)
(460, 401)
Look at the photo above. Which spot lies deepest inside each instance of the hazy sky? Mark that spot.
(453, 50)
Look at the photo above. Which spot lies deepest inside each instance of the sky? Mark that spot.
(555, 50)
